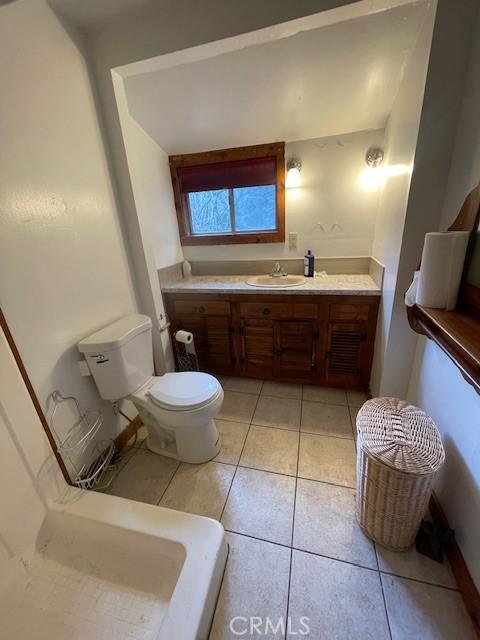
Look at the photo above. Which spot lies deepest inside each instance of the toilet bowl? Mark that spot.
(178, 409)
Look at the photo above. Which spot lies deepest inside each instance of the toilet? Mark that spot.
(178, 409)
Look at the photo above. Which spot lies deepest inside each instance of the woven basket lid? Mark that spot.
(400, 435)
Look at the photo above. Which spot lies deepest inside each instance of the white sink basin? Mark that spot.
(275, 281)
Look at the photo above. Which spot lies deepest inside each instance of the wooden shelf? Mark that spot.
(456, 332)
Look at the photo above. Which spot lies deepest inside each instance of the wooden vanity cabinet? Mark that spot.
(210, 322)
(313, 340)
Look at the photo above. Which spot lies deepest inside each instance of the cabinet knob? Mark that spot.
(201, 309)
(266, 311)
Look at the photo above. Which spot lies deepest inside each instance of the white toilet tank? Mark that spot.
(120, 356)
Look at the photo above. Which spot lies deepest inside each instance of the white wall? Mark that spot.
(400, 144)
(152, 219)
(465, 164)
(438, 387)
(436, 384)
(161, 28)
(451, 44)
(331, 192)
(21, 504)
(63, 264)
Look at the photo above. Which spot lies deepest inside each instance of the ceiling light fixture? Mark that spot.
(294, 179)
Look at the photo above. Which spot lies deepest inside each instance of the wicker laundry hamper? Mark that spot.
(399, 450)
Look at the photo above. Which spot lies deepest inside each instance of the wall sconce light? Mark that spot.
(294, 179)
(372, 178)
(374, 157)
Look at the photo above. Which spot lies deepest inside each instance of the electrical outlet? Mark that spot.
(292, 239)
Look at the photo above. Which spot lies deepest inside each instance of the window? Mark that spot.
(230, 196)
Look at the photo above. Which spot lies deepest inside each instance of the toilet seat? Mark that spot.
(183, 390)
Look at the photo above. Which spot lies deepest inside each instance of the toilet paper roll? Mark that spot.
(186, 338)
(441, 269)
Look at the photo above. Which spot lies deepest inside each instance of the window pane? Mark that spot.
(255, 208)
(210, 212)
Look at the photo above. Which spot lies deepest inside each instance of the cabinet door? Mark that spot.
(346, 354)
(219, 345)
(257, 347)
(295, 349)
(213, 342)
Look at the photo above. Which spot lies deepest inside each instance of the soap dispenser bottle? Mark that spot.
(309, 262)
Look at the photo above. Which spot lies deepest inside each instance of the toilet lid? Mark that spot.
(184, 389)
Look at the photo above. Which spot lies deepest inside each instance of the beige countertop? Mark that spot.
(360, 284)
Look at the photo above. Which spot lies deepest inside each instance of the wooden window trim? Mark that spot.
(187, 238)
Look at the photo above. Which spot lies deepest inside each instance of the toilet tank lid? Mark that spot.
(116, 334)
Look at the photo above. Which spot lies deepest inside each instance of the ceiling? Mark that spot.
(85, 13)
(316, 83)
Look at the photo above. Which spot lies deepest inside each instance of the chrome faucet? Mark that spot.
(278, 271)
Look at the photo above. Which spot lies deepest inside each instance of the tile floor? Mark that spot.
(283, 486)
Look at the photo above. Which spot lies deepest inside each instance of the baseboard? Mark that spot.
(466, 585)
(128, 433)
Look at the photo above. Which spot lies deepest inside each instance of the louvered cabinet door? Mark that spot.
(213, 342)
(346, 356)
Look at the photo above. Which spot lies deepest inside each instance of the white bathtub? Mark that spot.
(107, 568)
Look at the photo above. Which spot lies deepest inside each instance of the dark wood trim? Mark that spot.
(33, 396)
(457, 332)
(470, 298)
(128, 433)
(228, 155)
(276, 149)
(235, 238)
(465, 583)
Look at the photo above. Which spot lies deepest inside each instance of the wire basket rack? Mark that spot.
(89, 460)
(187, 360)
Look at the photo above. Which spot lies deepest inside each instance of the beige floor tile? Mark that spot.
(271, 450)
(327, 459)
(120, 461)
(417, 610)
(340, 601)
(324, 394)
(260, 504)
(356, 398)
(410, 564)
(282, 390)
(353, 419)
(245, 385)
(232, 438)
(144, 477)
(326, 419)
(199, 488)
(282, 413)
(255, 584)
(238, 407)
(325, 524)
